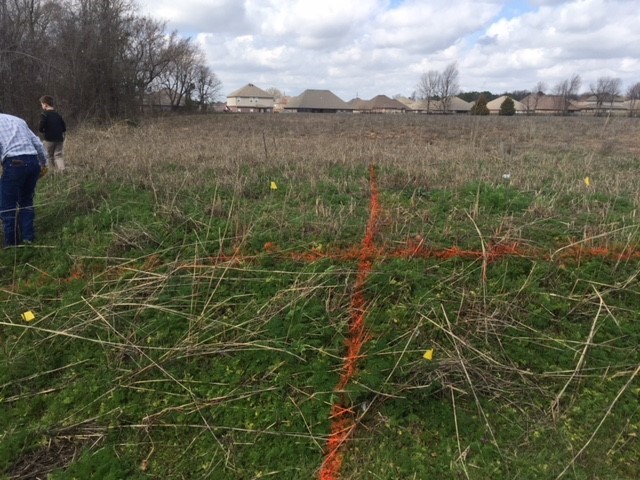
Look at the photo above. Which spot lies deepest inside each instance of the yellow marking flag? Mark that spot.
(587, 181)
(28, 316)
(428, 355)
(274, 186)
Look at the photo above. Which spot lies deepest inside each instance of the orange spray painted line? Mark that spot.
(342, 421)
(412, 250)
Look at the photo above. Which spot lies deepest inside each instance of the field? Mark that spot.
(327, 296)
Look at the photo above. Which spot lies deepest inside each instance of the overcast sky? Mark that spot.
(372, 47)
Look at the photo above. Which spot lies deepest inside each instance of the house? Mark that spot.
(378, 104)
(494, 105)
(250, 99)
(539, 103)
(281, 103)
(218, 106)
(360, 105)
(163, 101)
(317, 101)
(605, 106)
(384, 104)
(413, 106)
(454, 105)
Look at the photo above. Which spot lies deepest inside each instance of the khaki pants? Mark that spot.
(55, 152)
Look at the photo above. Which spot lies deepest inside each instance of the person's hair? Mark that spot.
(47, 100)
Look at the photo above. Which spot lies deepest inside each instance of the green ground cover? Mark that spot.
(171, 341)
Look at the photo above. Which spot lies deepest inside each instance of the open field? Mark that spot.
(193, 322)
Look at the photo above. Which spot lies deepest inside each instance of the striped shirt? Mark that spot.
(17, 139)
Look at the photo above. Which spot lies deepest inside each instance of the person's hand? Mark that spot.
(43, 171)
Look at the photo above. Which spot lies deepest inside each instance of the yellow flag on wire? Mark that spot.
(428, 355)
(274, 186)
(28, 316)
(587, 181)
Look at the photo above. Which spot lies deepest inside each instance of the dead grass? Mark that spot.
(168, 155)
(62, 449)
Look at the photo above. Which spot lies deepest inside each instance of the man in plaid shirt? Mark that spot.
(22, 156)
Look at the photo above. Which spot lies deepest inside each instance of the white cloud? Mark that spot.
(310, 24)
(196, 16)
(381, 47)
(550, 44)
(425, 28)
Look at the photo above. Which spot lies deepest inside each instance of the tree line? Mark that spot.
(98, 58)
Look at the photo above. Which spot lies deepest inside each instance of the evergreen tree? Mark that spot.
(508, 107)
(480, 107)
(473, 96)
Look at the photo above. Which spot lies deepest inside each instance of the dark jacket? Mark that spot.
(52, 125)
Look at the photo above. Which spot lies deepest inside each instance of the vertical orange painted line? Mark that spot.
(342, 417)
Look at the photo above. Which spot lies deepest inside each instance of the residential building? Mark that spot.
(384, 104)
(454, 105)
(163, 100)
(495, 104)
(604, 106)
(541, 104)
(250, 99)
(317, 101)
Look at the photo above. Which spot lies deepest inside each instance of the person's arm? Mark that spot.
(42, 153)
(43, 123)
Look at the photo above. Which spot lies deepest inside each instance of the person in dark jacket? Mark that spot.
(53, 127)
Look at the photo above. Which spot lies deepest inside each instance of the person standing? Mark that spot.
(53, 127)
(23, 158)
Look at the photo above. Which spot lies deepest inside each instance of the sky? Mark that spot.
(366, 48)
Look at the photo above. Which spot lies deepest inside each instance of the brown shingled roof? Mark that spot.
(317, 100)
(545, 103)
(250, 90)
(382, 102)
(495, 104)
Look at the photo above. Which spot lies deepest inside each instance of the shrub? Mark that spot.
(508, 107)
(480, 107)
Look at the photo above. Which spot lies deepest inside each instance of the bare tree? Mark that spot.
(91, 47)
(428, 86)
(448, 86)
(540, 87)
(24, 53)
(179, 78)
(277, 94)
(615, 90)
(97, 57)
(565, 91)
(606, 89)
(207, 86)
(147, 55)
(633, 95)
(534, 97)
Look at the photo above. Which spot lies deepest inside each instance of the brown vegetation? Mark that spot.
(418, 151)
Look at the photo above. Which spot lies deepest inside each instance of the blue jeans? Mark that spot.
(17, 188)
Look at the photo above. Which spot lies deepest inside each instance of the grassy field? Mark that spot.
(192, 321)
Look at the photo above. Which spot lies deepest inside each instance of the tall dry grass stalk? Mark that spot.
(416, 151)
